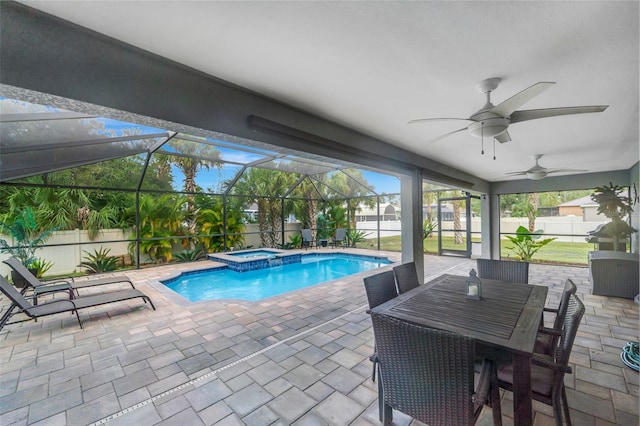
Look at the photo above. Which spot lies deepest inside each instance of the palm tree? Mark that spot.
(351, 184)
(190, 157)
(266, 188)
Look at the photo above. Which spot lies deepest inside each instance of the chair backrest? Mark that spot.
(569, 289)
(406, 277)
(425, 373)
(14, 295)
(572, 318)
(341, 234)
(503, 270)
(380, 288)
(306, 235)
(17, 266)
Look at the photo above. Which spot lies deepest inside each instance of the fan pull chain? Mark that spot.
(482, 136)
(494, 148)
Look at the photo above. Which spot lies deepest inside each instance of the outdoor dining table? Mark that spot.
(504, 323)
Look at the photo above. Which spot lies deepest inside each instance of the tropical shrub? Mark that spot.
(26, 237)
(354, 236)
(191, 255)
(100, 261)
(526, 244)
(41, 266)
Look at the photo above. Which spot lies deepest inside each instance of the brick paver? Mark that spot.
(298, 358)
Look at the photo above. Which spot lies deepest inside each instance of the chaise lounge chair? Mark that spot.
(70, 305)
(68, 285)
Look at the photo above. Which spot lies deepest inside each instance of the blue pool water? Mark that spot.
(262, 283)
(254, 253)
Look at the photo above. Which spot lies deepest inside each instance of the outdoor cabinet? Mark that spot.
(614, 273)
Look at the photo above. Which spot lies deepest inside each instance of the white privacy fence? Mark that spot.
(69, 247)
(564, 228)
(66, 258)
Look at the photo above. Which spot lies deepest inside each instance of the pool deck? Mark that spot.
(298, 358)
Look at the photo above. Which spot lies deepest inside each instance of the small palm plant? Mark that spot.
(100, 261)
(526, 244)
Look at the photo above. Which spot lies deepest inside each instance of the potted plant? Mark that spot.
(617, 207)
(614, 272)
(25, 239)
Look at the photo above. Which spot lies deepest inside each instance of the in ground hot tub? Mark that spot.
(250, 260)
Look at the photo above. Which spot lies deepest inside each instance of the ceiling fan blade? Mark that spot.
(564, 170)
(533, 114)
(503, 137)
(424, 120)
(517, 173)
(445, 135)
(505, 108)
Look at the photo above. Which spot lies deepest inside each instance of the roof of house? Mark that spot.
(578, 202)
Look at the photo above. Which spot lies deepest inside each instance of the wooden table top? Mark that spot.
(507, 316)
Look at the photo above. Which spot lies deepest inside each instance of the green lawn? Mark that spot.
(554, 252)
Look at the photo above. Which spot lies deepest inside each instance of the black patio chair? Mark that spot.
(380, 288)
(67, 284)
(307, 238)
(428, 374)
(547, 372)
(340, 237)
(548, 337)
(67, 305)
(503, 270)
(406, 277)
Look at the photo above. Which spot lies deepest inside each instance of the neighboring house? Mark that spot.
(368, 214)
(446, 211)
(584, 207)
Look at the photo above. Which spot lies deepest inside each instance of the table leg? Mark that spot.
(522, 411)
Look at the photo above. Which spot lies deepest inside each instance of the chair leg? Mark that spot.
(557, 412)
(565, 407)
(496, 408)
(78, 317)
(385, 412)
(150, 302)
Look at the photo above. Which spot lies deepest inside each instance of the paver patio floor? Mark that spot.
(299, 358)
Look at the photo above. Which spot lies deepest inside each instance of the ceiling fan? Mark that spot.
(493, 121)
(538, 172)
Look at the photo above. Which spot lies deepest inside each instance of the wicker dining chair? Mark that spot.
(548, 337)
(428, 374)
(406, 277)
(380, 288)
(503, 270)
(547, 372)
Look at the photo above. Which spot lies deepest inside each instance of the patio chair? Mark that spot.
(548, 337)
(69, 285)
(547, 372)
(428, 374)
(406, 277)
(340, 237)
(67, 305)
(380, 288)
(503, 270)
(307, 238)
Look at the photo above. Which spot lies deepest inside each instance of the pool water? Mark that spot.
(254, 253)
(262, 283)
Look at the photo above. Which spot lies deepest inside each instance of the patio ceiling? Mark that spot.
(373, 66)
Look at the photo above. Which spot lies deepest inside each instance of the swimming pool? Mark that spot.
(223, 283)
